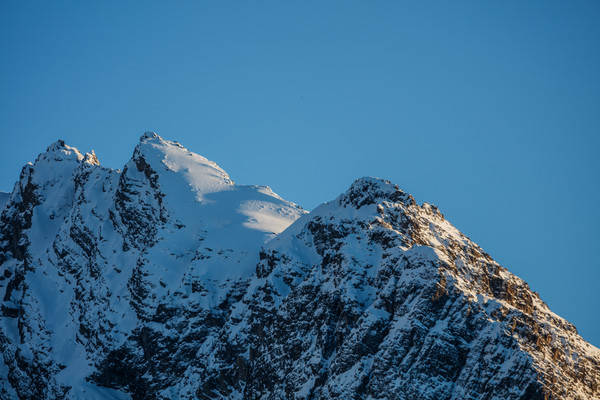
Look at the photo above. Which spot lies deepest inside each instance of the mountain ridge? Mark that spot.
(166, 279)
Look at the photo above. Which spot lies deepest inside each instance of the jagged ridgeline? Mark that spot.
(166, 280)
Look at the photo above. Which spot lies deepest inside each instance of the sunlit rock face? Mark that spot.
(167, 280)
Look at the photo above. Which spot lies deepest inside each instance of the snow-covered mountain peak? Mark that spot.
(60, 151)
(167, 280)
(91, 158)
(155, 155)
(368, 190)
(188, 184)
(172, 192)
(53, 171)
(149, 135)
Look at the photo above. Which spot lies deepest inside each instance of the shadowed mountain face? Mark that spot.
(168, 280)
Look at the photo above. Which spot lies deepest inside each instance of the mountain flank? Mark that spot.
(167, 280)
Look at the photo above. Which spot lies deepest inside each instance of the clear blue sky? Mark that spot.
(491, 110)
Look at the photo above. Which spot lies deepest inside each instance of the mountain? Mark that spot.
(167, 280)
(3, 199)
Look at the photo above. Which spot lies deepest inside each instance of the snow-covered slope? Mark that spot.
(374, 297)
(167, 280)
(94, 259)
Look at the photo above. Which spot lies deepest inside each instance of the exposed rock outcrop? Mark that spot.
(167, 280)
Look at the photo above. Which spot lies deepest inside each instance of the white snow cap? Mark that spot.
(149, 135)
(59, 151)
(201, 175)
(204, 207)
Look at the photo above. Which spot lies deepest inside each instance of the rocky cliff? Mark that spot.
(167, 280)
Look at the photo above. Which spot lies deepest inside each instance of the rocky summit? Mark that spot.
(166, 280)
